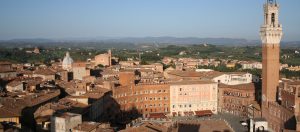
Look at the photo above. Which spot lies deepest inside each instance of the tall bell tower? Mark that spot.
(271, 33)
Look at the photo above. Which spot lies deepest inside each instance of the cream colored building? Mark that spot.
(192, 96)
(234, 78)
(103, 59)
(15, 86)
(64, 122)
(80, 70)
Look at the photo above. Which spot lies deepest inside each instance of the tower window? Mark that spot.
(273, 19)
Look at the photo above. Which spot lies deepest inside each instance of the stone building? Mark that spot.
(234, 78)
(229, 78)
(80, 70)
(15, 86)
(235, 99)
(20, 111)
(6, 70)
(188, 97)
(146, 98)
(45, 74)
(65, 122)
(103, 59)
(92, 127)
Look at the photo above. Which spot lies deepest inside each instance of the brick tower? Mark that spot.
(271, 33)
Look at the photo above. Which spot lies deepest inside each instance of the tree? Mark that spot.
(100, 66)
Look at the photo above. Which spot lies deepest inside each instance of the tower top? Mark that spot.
(271, 2)
(271, 30)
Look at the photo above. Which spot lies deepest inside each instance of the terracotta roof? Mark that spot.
(6, 70)
(33, 82)
(69, 105)
(147, 127)
(66, 115)
(5, 63)
(108, 71)
(105, 130)
(96, 93)
(239, 73)
(7, 113)
(294, 83)
(187, 82)
(87, 126)
(79, 64)
(248, 86)
(208, 75)
(14, 83)
(44, 72)
(26, 72)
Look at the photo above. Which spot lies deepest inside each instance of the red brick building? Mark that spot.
(236, 98)
(146, 98)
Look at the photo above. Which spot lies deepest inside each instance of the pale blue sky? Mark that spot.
(140, 18)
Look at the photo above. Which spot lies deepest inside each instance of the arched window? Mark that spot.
(273, 19)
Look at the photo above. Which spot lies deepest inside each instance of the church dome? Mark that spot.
(67, 62)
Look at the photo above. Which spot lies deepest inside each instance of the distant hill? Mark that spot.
(148, 40)
(188, 40)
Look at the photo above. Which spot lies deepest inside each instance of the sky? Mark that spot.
(59, 19)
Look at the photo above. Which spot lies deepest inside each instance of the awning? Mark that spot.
(204, 113)
(188, 113)
(157, 115)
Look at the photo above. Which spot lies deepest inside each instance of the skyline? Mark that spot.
(80, 19)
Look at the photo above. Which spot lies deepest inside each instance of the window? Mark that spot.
(190, 105)
(173, 106)
(273, 19)
(180, 89)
